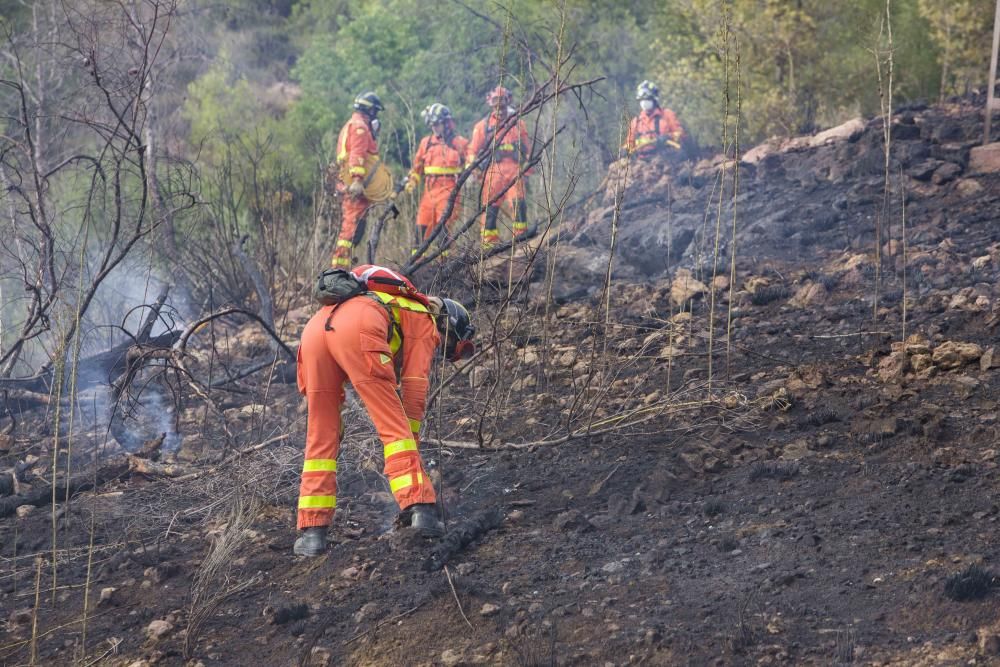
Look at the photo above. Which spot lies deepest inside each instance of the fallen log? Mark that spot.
(94, 370)
(154, 469)
(26, 397)
(42, 494)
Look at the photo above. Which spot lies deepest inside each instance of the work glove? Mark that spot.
(667, 142)
(411, 185)
(356, 189)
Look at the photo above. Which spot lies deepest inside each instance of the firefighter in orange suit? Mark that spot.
(355, 144)
(439, 160)
(655, 129)
(370, 340)
(509, 149)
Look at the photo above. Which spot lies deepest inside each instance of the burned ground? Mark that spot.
(810, 502)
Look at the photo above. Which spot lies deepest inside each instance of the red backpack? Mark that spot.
(380, 279)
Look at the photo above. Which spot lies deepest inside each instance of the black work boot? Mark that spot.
(312, 542)
(424, 517)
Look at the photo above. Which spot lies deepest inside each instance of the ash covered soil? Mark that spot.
(808, 498)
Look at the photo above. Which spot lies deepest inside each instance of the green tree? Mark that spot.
(961, 29)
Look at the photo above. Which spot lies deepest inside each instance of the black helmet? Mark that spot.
(368, 103)
(647, 90)
(437, 113)
(456, 325)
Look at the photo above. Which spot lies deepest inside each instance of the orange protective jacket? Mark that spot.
(440, 161)
(649, 126)
(513, 146)
(355, 143)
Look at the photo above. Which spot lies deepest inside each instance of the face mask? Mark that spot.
(647, 105)
(376, 126)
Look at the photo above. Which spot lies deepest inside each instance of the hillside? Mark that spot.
(625, 482)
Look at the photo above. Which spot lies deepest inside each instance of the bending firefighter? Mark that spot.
(439, 161)
(357, 152)
(377, 329)
(508, 149)
(655, 129)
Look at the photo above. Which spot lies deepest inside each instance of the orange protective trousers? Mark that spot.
(433, 204)
(352, 345)
(352, 210)
(498, 175)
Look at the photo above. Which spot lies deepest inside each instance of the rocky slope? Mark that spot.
(805, 490)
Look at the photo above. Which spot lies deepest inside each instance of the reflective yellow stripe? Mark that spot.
(341, 261)
(414, 426)
(505, 147)
(317, 502)
(408, 445)
(402, 302)
(642, 141)
(344, 243)
(404, 481)
(520, 225)
(342, 149)
(434, 171)
(319, 465)
(358, 171)
(395, 303)
(397, 339)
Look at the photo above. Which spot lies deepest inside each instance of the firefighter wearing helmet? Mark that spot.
(509, 147)
(438, 162)
(357, 146)
(378, 333)
(656, 128)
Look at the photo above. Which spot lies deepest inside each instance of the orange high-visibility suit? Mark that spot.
(353, 342)
(509, 150)
(439, 162)
(646, 129)
(354, 144)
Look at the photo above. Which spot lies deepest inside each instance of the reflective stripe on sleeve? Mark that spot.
(642, 141)
(399, 446)
(344, 243)
(404, 481)
(317, 502)
(319, 465)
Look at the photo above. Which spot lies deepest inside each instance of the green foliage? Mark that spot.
(961, 30)
(802, 66)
